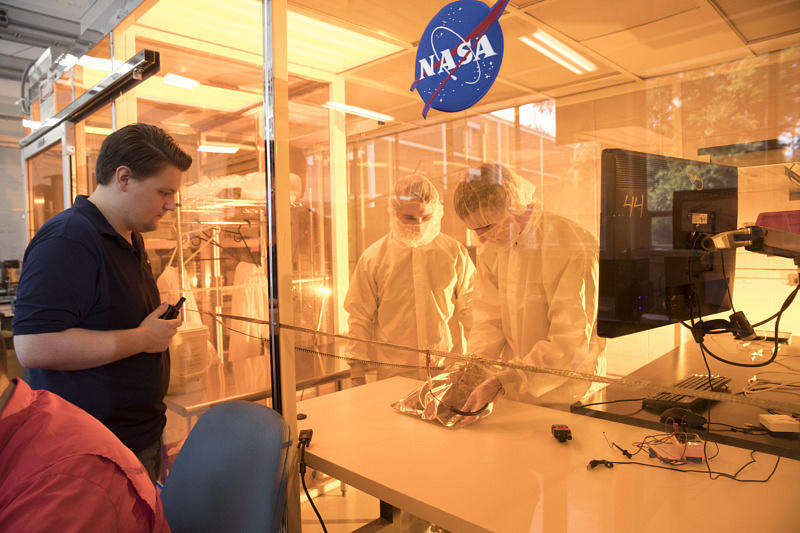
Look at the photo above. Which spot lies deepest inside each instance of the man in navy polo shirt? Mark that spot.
(87, 324)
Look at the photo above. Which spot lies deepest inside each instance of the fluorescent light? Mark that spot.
(68, 61)
(96, 63)
(32, 124)
(551, 55)
(565, 50)
(98, 131)
(360, 111)
(217, 149)
(180, 81)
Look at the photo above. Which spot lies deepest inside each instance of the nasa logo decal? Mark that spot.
(459, 55)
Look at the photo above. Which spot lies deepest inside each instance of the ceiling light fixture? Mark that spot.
(217, 149)
(564, 50)
(180, 81)
(559, 52)
(542, 50)
(96, 63)
(360, 111)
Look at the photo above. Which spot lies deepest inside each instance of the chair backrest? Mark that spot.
(231, 473)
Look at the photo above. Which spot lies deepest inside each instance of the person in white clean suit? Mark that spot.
(536, 292)
(412, 287)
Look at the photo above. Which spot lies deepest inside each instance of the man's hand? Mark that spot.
(157, 333)
(357, 381)
(480, 396)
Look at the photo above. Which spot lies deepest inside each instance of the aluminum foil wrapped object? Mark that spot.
(442, 395)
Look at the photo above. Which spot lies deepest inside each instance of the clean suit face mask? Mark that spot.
(416, 224)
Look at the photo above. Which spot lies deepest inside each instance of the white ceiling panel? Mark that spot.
(760, 19)
(688, 40)
(582, 19)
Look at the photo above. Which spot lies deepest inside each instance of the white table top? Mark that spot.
(507, 473)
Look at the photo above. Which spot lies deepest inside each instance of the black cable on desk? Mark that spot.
(595, 462)
(616, 401)
(303, 441)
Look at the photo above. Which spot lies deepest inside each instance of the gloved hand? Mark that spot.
(480, 396)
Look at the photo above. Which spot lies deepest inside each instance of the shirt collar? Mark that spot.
(101, 223)
(94, 215)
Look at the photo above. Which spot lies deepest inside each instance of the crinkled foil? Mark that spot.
(450, 389)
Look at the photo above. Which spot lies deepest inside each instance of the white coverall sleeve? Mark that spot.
(569, 277)
(464, 291)
(486, 338)
(361, 304)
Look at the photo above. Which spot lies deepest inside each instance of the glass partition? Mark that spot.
(45, 191)
(463, 245)
(574, 82)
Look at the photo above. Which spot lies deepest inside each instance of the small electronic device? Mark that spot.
(664, 400)
(682, 447)
(172, 311)
(561, 432)
(780, 423)
(684, 416)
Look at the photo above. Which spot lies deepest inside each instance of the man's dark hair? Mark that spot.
(143, 148)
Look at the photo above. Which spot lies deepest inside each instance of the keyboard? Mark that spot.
(665, 400)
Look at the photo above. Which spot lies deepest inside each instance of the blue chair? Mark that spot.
(231, 473)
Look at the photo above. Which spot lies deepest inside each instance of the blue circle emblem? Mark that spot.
(458, 57)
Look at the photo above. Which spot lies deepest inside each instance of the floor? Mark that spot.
(342, 512)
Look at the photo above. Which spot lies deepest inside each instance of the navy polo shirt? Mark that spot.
(78, 272)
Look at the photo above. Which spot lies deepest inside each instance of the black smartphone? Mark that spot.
(172, 311)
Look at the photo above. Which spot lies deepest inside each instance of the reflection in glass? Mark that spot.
(45, 194)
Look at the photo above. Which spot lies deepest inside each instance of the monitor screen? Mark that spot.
(655, 212)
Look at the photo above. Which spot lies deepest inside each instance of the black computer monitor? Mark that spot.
(655, 211)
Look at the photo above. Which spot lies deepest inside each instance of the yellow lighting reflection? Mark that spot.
(38, 201)
(180, 81)
(324, 290)
(322, 45)
(203, 96)
(310, 42)
(93, 130)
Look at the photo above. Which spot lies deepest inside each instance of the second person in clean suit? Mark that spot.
(412, 287)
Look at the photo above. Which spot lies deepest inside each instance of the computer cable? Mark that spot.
(734, 477)
(304, 440)
(749, 430)
(615, 401)
(699, 328)
(708, 415)
(758, 384)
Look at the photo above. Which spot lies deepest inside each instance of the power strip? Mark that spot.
(780, 423)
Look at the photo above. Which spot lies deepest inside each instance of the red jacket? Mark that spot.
(64, 471)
